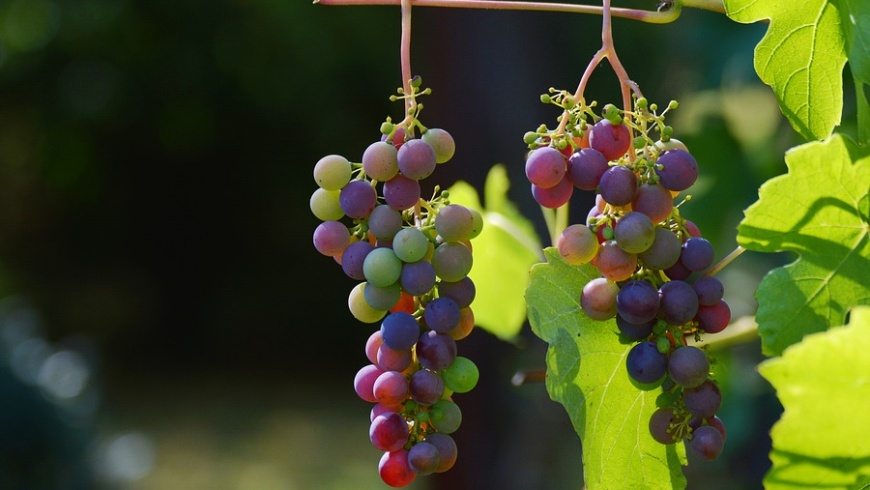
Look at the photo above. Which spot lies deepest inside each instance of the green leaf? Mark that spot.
(855, 16)
(822, 382)
(586, 373)
(819, 211)
(503, 253)
(801, 57)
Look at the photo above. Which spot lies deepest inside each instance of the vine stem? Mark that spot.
(405, 56)
(649, 16)
(725, 261)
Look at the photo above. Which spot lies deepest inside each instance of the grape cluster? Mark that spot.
(412, 257)
(652, 260)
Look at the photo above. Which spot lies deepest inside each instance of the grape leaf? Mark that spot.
(855, 16)
(821, 439)
(586, 373)
(500, 278)
(801, 57)
(819, 210)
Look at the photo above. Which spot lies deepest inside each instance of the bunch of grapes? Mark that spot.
(412, 257)
(652, 260)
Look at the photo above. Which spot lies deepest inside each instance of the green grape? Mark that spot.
(461, 376)
(442, 142)
(332, 172)
(478, 223)
(445, 416)
(381, 267)
(382, 298)
(410, 245)
(324, 205)
(360, 309)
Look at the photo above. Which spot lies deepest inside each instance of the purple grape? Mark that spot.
(679, 170)
(654, 201)
(452, 261)
(585, 168)
(461, 291)
(454, 223)
(391, 388)
(637, 302)
(660, 424)
(331, 238)
(618, 185)
(379, 161)
(545, 167)
(364, 382)
(426, 387)
(423, 458)
(678, 304)
(384, 222)
(389, 432)
(664, 251)
(446, 450)
(357, 199)
(435, 351)
(555, 196)
(634, 232)
(416, 159)
(714, 318)
(442, 315)
(633, 331)
(709, 290)
(394, 360)
(401, 193)
(598, 299)
(678, 271)
(703, 400)
(645, 364)
(394, 468)
(417, 278)
(707, 442)
(400, 330)
(688, 366)
(697, 254)
(353, 257)
(612, 140)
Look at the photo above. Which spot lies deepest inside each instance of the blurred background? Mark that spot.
(165, 322)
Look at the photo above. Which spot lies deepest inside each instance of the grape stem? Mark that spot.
(725, 261)
(405, 56)
(667, 12)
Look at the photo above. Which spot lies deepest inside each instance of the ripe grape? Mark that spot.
(634, 232)
(400, 331)
(331, 237)
(637, 302)
(714, 318)
(446, 450)
(423, 458)
(598, 299)
(353, 257)
(416, 159)
(585, 168)
(612, 140)
(426, 387)
(389, 431)
(394, 360)
(660, 423)
(688, 366)
(697, 254)
(664, 252)
(364, 382)
(679, 170)
(615, 263)
(555, 196)
(395, 470)
(618, 185)
(452, 261)
(441, 314)
(634, 331)
(384, 222)
(707, 442)
(703, 400)
(679, 303)
(358, 199)
(654, 201)
(435, 351)
(379, 161)
(645, 364)
(401, 193)
(545, 167)
(417, 278)
(462, 291)
(454, 223)
(577, 244)
(709, 290)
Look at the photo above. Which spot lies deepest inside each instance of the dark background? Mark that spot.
(167, 323)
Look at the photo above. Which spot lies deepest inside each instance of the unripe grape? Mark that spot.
(332, 172)
(577, 244)
(359, 308)
(379, 161)
(634, 232)
(325, 206)
(442, 142)
(416, 159)
(545, 167)
(598, 299)
(454, 223)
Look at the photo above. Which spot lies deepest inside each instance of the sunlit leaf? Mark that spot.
(801, 57)
(819, 210)
(503, 253)
(823, 383)
(586, 373)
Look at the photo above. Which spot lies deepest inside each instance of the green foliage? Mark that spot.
(855, 16)
(801, 57)
(586, 373)
(819, 210)
(504, 251)
(821, 439)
